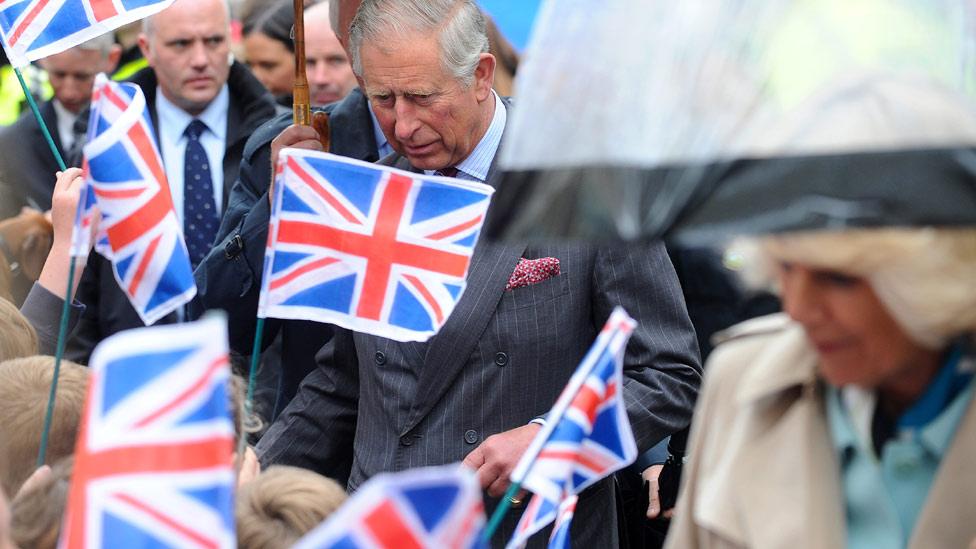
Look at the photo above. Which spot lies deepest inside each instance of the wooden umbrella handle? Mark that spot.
(301, 104)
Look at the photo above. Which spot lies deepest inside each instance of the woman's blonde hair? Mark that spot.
(17, 337)
(283, 504)
(926, 278)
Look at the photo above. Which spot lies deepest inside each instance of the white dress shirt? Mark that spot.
(172, 127)
(66, 123)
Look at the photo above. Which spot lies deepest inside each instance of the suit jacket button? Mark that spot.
(380, 358)
(501, 359)
(406, 440)
(471, 436)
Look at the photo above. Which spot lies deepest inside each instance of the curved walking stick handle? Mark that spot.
(301, 104)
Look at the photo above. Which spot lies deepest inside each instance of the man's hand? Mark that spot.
(651, 475)
(295, 136)
(497, 456)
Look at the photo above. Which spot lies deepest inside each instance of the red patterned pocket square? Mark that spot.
(533, 271)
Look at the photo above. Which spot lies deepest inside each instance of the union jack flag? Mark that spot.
(32, 29)
(154, 458)
(81, 235)
(559, 539)
(145, 239)
(587, 435)
(429, 508)
(367, 247)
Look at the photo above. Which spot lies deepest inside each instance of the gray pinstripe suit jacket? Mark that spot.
(502, 358)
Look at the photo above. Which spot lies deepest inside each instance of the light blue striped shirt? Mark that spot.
(476, 166)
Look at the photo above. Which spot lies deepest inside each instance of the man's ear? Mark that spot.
(112, 61)
(144, 47)
(484, 76)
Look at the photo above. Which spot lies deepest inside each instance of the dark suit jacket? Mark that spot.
(376, 405)
(26, 161)
(230, 277)
(107, 308)
(501, 359)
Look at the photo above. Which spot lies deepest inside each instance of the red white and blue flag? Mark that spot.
(33, 29)
(81, 236)
(428, 508)
(144, 236)
(367, 247)
(587, 436)
(154, 458)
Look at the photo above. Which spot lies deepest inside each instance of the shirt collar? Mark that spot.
(478, 163)
(173, 120)
(382, 145)
(849, 412)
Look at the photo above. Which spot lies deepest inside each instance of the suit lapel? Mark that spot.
(451, 348)
(351, 127)
(50, 117)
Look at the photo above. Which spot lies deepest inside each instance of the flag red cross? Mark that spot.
(382, 248)
(157, 207)
(115, 461)
(388, 528)
(101, 9)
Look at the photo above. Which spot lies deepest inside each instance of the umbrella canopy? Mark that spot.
(642, 118)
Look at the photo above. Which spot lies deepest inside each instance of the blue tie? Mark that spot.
(200, 219)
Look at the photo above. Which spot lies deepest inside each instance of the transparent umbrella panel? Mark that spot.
(699, 120)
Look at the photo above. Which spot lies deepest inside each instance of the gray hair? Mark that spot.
(102, 43)
(334, 16)
(458, 24)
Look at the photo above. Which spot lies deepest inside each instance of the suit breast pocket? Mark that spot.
(535, 295)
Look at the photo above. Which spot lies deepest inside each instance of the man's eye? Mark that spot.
(213, 41)
(180, 44)
(384, 100)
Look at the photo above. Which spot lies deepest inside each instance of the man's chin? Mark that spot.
(426, 158)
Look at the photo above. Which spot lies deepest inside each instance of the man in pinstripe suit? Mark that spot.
(472, 392)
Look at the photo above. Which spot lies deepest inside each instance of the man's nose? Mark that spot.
(318, 74)
(407, 122)
(802, 299)
(198, 55)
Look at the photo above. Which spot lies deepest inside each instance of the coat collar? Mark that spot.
(250, 104)
(786, 363)
(351, 128)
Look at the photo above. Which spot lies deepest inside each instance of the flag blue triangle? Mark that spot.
(432, 503)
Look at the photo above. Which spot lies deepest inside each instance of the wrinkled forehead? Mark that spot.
(408, 64)
(187, 18)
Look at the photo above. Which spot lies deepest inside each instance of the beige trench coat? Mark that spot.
(762, 471)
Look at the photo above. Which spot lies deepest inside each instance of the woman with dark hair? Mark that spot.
(270, 50)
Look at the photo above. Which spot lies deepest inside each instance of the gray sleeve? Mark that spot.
(43, 311)
(662, 369)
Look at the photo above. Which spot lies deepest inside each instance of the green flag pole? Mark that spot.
(66, 308)
(500, 511)
(249, 399)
